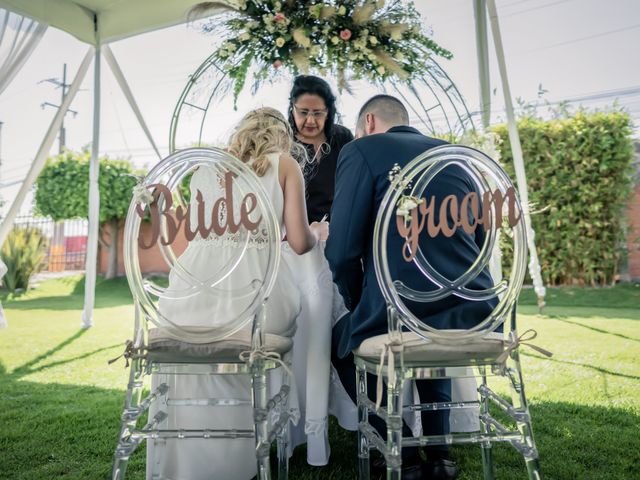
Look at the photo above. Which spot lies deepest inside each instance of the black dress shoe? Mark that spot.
(440, 469)
(411, 469)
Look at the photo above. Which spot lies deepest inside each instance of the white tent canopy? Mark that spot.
(98, 22)
(114, 19)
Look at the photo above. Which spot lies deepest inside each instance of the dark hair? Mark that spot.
(313, 86)
(387, 106)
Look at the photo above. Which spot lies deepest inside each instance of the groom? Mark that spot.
(384, 138)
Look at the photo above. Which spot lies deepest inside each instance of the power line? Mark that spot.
(535, 8)
(582, 39)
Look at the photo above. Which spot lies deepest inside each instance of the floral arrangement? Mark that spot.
(375, 40)
(488, 142)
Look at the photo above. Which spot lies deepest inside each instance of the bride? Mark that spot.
(263, 139)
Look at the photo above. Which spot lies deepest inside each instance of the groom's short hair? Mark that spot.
(387, 107)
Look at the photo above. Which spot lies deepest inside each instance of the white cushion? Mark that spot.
(418, 351)
(164, 347)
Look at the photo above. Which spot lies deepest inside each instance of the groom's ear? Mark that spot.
(369, 123)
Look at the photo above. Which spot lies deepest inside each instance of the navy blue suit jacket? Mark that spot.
(361, 183)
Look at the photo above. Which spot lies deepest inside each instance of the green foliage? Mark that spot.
(578, 173)
(63, 187)
(23, 253)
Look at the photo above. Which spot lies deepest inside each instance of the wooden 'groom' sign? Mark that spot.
(468, 214)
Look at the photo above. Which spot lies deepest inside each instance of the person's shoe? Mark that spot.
(410, 471)
(440, 469)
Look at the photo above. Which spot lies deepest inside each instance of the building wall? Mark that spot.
(633, 216)
(633, 237)
(151, 260)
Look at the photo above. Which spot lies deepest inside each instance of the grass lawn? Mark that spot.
(60, 402)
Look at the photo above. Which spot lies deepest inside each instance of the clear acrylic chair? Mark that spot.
(414, 350)
(224, 346)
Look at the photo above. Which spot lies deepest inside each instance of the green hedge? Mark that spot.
(578, 172)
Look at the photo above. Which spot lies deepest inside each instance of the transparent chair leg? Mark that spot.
(363, 419)
(259, 392)
(487, 456)
(283, 454)
(125, 446)
(519, 401)
(394, 427)
(283, 439)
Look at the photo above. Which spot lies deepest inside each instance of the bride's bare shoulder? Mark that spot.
(288, 163)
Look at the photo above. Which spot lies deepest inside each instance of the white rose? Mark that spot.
(373, 40)
(280, 42)
(342, 10)
(335, 40)
(141, 194)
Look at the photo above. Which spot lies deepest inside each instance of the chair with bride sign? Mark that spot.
(412, 349)
(228, 334)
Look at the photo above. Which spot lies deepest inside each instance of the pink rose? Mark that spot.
(277, 64)
(279, 17)
(345, 34)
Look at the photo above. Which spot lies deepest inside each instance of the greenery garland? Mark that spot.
(347, 39)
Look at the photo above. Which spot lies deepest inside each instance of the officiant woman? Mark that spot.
(312, 112)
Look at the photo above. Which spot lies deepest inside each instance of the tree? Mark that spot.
(62, 192)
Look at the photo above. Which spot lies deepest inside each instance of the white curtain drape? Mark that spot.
(18, 37)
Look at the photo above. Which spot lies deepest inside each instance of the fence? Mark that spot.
(66, 241)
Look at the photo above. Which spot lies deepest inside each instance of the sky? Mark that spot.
(584, 51)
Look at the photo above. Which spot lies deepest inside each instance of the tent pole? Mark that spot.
(518, 161)
(124, 86)
(94, 201)
(482, 52)
(45, 148)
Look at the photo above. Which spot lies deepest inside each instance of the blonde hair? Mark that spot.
(261, 132)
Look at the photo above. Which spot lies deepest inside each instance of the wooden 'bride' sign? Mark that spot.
(174, 218)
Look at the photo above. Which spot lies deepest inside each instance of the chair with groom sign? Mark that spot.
(413, 349)
(230, 346)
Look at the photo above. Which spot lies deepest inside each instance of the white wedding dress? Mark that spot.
(219, 459)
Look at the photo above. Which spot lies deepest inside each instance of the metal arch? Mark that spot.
(438, 86)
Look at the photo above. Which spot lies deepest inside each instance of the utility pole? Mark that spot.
(57, 249)
(63, 85)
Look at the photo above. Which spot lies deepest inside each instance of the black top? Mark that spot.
(320, 176)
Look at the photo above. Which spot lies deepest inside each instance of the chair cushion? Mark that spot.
(164, 347)
(419, 351)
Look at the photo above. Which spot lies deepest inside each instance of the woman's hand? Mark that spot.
(320, 230)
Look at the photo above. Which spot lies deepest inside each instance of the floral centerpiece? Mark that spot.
(361, 39)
